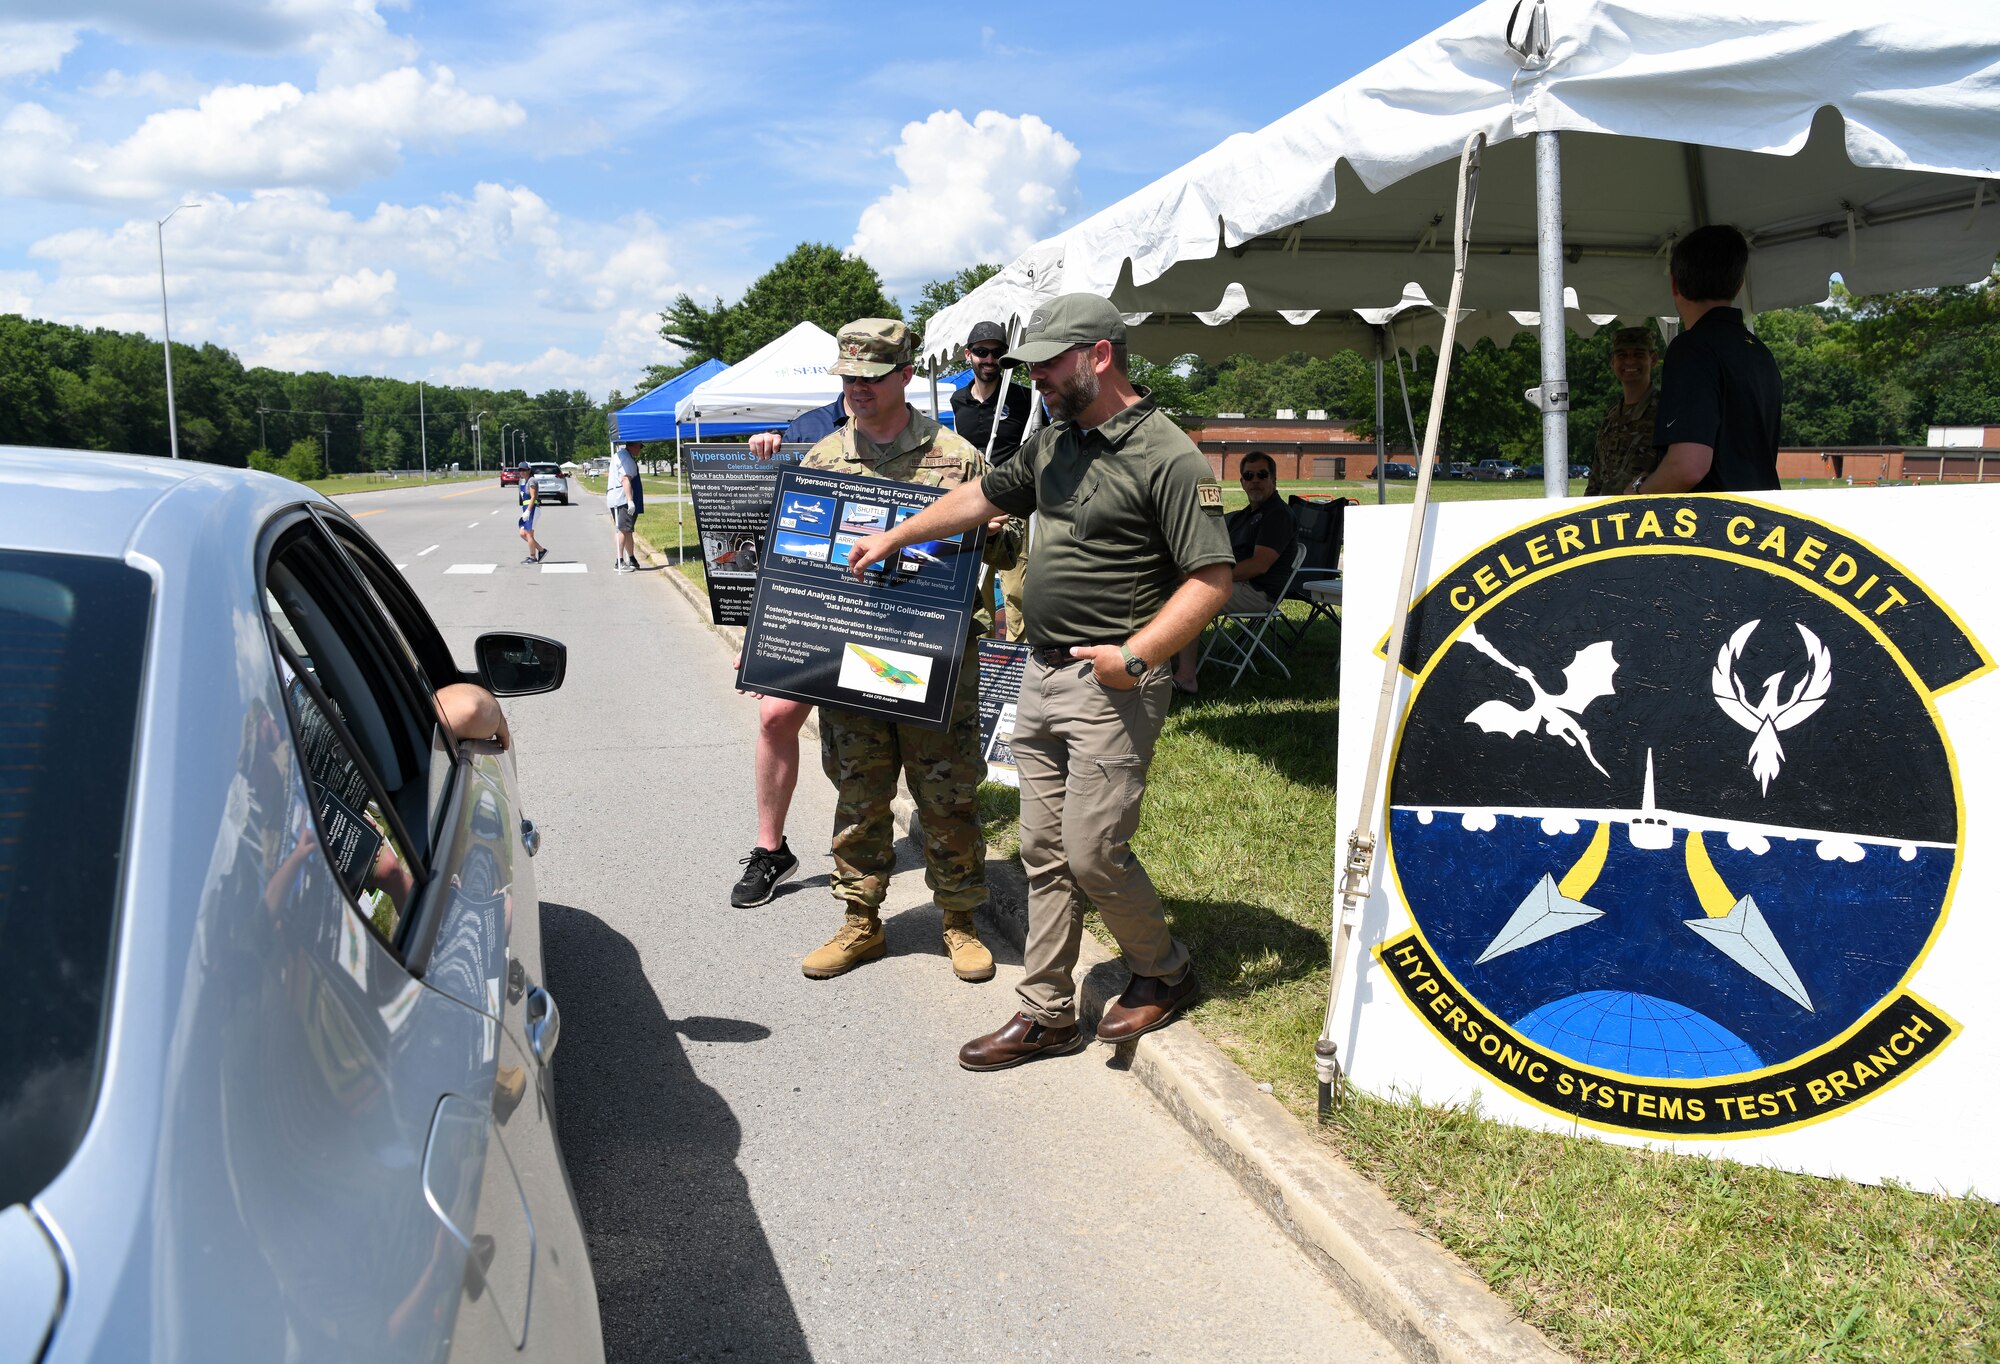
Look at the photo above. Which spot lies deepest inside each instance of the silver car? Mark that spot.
(276, 1083)
(551, 484)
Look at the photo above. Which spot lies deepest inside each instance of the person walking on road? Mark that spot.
(1130, 563)
(531, 503)
(864, 754)
(625, 497)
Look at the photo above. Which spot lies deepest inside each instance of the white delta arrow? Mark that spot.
(1544, 913)
(1745, 938)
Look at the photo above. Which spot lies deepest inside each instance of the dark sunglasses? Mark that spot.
(864, 379)
(1258, 474)
(986, 352)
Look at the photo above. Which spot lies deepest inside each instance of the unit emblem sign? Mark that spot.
(1675, 816)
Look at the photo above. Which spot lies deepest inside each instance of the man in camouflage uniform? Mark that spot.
(862, 754)
(1625, 452)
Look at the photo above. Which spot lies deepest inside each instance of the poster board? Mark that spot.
(732, 491)
(891, 646)
(1688, 833)
(1002, 665)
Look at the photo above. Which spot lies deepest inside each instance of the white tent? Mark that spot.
(787, 377)
(1839, 136)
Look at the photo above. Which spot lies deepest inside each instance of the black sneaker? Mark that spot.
(763, 871)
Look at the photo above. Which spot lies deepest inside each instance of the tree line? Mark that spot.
(1858, 370)
(95, 389)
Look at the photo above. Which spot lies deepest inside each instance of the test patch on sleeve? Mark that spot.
(1209, 496)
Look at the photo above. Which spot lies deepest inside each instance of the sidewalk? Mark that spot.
(1422, 1299)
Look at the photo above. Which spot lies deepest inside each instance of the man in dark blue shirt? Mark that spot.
(1721, 397)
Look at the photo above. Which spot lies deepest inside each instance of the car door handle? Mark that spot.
(544, 1022)
(531, 837)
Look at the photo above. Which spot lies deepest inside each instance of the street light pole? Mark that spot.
(506, 454)
(476, 465)
(166, 332)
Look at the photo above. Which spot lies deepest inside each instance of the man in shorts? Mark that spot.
(625, 498)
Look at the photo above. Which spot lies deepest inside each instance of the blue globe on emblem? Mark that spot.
(1636, 1034)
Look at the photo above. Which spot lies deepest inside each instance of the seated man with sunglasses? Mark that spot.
(1261, 536)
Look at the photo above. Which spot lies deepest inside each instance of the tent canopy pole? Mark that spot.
(1552, 396)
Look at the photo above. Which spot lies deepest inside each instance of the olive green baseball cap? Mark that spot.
(873, 347)
(1065, 321)
(1634, 338)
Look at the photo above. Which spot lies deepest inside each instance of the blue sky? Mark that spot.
(509, 193)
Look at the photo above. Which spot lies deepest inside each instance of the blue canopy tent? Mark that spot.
(651, 417)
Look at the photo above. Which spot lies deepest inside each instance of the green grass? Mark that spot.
(1615, 1253)
(372, 483)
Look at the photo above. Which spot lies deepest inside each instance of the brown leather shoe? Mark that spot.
(1019, 1039)
(1148, 1003)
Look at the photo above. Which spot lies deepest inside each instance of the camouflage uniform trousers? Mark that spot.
(862, 756)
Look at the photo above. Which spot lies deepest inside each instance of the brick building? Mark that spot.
(1310, 448)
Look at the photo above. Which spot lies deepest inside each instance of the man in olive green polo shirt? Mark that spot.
(864, 754)
(1130, 563)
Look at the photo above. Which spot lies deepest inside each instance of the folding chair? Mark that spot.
(1320, 526)
(1240, 635)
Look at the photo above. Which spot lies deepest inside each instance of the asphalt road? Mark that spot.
(772, 1168)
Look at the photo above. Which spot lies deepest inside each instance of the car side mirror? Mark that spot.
(520, 665)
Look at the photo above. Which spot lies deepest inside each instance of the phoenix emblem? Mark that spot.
(1770, 713)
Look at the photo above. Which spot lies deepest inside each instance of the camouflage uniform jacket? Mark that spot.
(924, 452)
(1624, 446)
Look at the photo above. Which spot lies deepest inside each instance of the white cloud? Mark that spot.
(17, 290)
(251, 137)
(34, 49)
(239, 25)
(983, 190)
(287, 280)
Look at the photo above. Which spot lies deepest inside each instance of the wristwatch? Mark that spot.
(1135, 666)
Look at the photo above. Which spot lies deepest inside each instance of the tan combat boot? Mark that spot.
(860, 939)
(969, 958)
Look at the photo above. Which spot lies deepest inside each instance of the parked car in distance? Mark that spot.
(1491, 469)
(1532, 471)
(1392, 469)
(551, 484)
(278, 1085)
(1461, 469)
(509, 476)
(1579, 471)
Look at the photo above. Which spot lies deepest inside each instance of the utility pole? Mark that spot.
(166, 331)
(263, 441)
(482, 412)
(423, 449)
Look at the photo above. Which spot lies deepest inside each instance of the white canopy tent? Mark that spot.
(787, 377)
(1840, 137)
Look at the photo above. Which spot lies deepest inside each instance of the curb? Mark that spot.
(1422, 1298)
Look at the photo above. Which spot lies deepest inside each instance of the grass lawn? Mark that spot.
(375, 483)
(1616, 1254)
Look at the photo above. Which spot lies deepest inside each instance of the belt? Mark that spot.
(1054, 657)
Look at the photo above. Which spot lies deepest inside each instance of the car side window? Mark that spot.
(416, 639)
(359, 739)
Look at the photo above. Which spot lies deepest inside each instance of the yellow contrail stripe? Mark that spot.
(1716, 900)
(1589, 867)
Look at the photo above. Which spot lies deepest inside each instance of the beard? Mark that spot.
(1073, 396)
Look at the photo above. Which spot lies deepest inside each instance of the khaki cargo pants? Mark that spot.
(1082, 751)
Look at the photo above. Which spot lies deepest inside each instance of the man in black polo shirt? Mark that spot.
(1261, 536)
(992, 415)
(975, 407)
(1721, 397)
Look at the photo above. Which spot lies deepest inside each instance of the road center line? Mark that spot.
(473, 526)
(422, 552)
(471, 568)
(377, 512)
